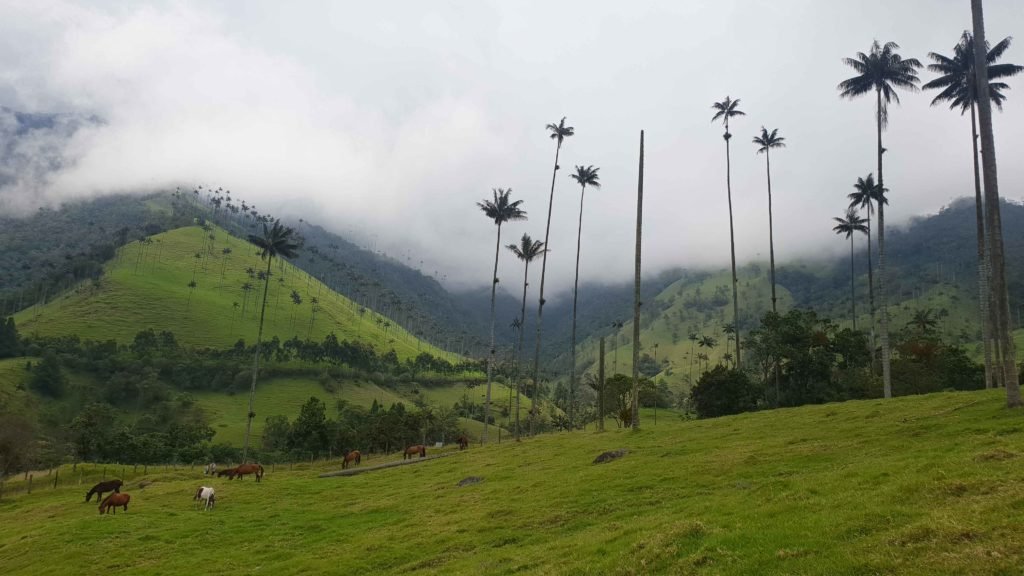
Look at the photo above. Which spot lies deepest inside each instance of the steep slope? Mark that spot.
(148, 286)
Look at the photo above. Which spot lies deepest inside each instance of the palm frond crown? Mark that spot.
(560, 131)
(882, 70)
(957, 81)
(277, 241)
(867, 194)
(528, 249)
(849, 224)
(587, 176)
(501, 208)
(768, 140)
(726, 109)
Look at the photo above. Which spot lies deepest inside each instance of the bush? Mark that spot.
(721, 392)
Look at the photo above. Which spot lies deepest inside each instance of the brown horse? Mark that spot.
(463, 442)
(225, 472)
(99, 489)
(243, 469)
(353, 456)
(113, 501)
(414, 450)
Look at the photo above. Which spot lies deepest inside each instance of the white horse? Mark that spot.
(210, 469)
(206, 495)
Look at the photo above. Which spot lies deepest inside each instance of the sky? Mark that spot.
(388, 121)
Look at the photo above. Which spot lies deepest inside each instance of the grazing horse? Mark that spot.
(463, 442)
(353, 456)
(243, 469)
(99, 489)
(210, 469)
(113, 501)
(226, 472)
(414, 450)
(206, 495)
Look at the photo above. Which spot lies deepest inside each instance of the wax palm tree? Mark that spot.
(584, 176)
(848, 225)
(958, 83)
(725, 110)
(693, 341)
(923, 322)
(277, 241)
(766, 142)
(558, 132)
(499, 209)
(993, 218)
(881, 70)
(527, 250)
(866, 195)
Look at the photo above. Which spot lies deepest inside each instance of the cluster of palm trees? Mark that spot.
(501, 209)
(968, 82)
(766, 141)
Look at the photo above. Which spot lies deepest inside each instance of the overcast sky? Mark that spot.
(393, 118)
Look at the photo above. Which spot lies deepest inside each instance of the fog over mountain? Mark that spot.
(388, 121)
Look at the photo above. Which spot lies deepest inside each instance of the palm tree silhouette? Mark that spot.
(726, 109)
(558, 132)
(499, 209)
(693, 340)
(993, 218)
(923, 321)
(866, 195)
(852, 222)
(958, 82)
(766, 142)
(277, 241)
(584, 176)
(881, 70)
(527, 250)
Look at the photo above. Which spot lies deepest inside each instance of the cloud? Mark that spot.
(388, 121)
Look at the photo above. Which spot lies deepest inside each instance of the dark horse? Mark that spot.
(353, 456)
(99, 489)
(463, 442)
(243, 469)
(414, 450)
(113, 501)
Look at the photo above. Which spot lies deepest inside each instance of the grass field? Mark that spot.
(915, 485)
(147, 286)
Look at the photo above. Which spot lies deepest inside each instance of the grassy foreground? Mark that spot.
(917, 485)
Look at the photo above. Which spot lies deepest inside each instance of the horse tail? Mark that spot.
(261, 469)
(359, 457)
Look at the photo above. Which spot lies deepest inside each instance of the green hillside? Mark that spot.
(147, 286)
(915, 485)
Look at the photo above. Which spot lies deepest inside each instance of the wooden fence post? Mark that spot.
(56, 476)
(29, 483)
(104, 473)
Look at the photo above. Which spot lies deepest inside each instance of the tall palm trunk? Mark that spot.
(256, 366)
(884, 331)
(853, 293)
(540, 304)
(993, 220)
(600, 392)
(732, 244)
(490, 358)
(575, 293)
(519, 346)
(871, 298)
(636, 289)
(983, 265)
(771, 228)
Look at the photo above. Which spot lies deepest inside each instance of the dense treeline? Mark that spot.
(375, 429)
(801, 358)
(133, 403)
